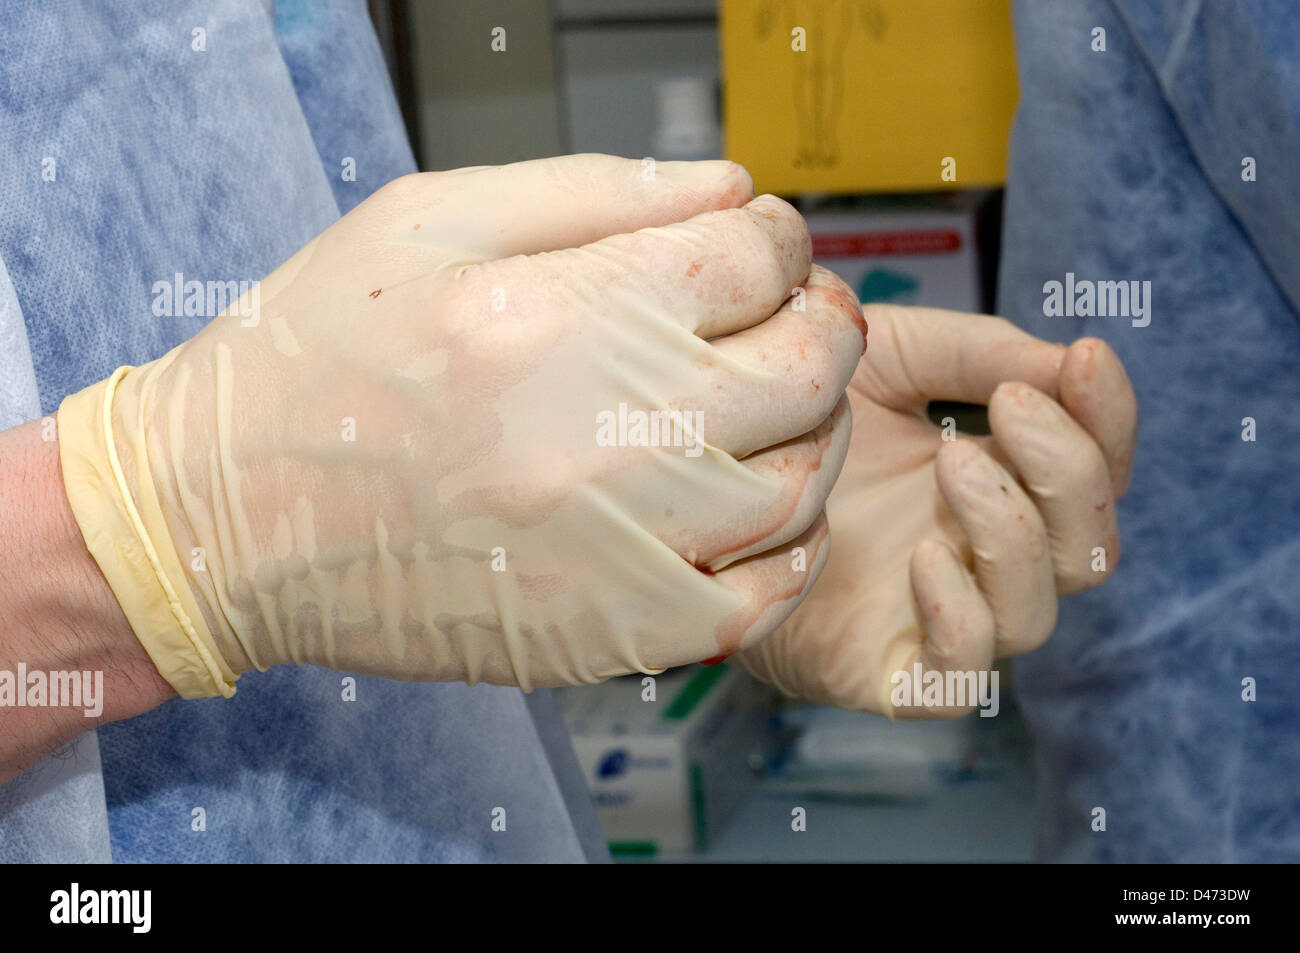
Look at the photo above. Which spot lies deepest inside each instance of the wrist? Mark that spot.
(59, 620)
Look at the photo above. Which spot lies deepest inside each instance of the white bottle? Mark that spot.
(687, 119)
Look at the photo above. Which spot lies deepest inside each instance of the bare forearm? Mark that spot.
(57, 616)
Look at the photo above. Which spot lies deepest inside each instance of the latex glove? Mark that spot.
(396, 467)
(954, 553)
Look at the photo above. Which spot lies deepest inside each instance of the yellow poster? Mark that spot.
(868, 95)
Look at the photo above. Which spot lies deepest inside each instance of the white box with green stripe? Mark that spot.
(669, 761)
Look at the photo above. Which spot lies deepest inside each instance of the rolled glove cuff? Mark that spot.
(127, 535)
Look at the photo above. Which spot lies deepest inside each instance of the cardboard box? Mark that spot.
(667, 774)
(906, 255)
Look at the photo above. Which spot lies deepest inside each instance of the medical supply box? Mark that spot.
(915, 252)
(669, 758)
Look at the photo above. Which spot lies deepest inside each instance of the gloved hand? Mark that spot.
(952, 553)
(420, 457)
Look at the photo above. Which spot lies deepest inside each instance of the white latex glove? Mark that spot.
(952, 553)
(397, 466)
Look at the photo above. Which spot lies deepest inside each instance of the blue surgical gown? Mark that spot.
(1171, 157)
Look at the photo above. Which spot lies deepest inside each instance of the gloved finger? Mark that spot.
(713, 510)
(924, 354)
(958, 623)
(1096, 391)
(773, 584)
(767, 384)
(1065, 473)
(714, 274)
(525, 208)
(1012, 555)
(794, 479)
(717, 273)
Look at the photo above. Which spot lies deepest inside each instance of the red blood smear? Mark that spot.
(716, 660)
(704, 569)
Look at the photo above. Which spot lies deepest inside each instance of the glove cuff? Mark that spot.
(122, 523)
